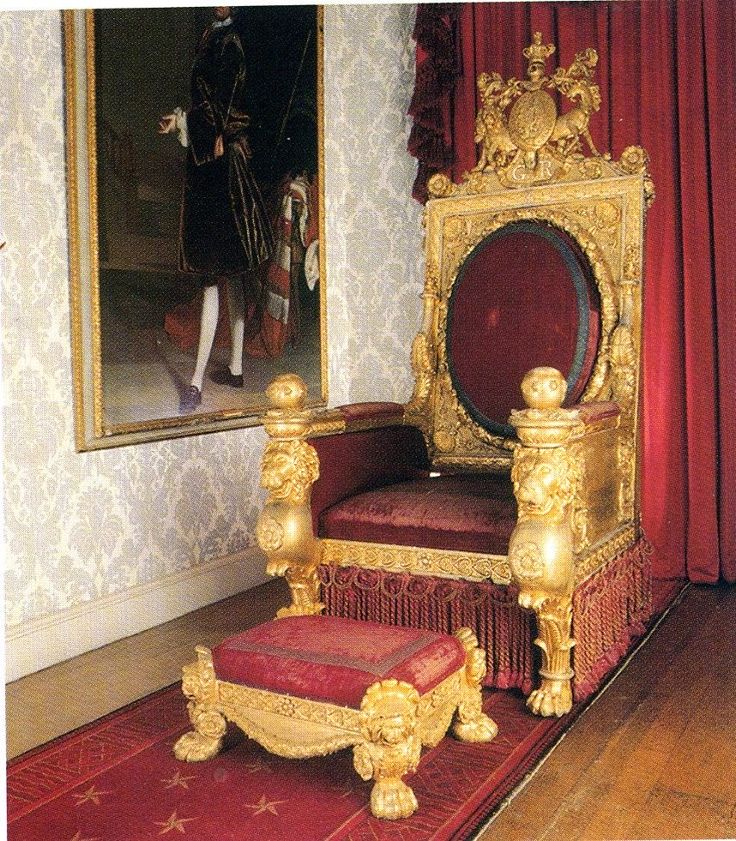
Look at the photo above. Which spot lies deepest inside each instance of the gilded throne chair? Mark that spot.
(462, 507)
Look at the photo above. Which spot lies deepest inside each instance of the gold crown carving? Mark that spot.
(537, 52)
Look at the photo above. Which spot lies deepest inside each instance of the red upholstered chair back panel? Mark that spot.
(361, 461)
(525, 297)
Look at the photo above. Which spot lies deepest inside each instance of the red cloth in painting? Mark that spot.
(326, 658)
(464, 513)
(278, 324)
(666, 74)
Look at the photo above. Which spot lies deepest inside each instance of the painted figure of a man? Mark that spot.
(225, 231)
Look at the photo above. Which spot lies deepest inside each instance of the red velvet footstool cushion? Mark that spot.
(331, 659)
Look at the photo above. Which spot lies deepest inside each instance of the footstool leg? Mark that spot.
(199, 684)
(390, 727)
(471, 724)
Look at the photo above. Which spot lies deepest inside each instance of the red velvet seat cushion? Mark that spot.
(331, 659)
(467, 513)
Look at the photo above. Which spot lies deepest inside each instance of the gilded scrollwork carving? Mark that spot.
(455, 436)
(199, 685)
(554, 622)
(632, 262)
(438, 562)
(423, 362)
(624, 359)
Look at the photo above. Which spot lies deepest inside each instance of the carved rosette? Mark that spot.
(635, 161)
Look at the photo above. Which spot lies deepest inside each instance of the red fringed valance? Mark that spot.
(610, 610)
(444, 605)
(436, 68)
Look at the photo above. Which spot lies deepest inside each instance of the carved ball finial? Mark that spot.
(287, 392)
(543, 388)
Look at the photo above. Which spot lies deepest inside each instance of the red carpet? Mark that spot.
(117, 780)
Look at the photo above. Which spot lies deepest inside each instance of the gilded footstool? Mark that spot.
(311, 685)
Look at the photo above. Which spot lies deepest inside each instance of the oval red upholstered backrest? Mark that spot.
(524, 297)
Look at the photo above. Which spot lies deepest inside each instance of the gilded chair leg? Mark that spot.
(199, 684)
(471, 724)
(554, 622)
(391, 746)
(305, 591)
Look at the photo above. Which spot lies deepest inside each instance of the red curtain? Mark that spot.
(667, 74)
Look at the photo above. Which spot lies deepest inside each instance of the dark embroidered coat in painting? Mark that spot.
(225, 228)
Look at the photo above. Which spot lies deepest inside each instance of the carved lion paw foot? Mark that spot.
(194, 747)
(480, 729)
(550, 700)
(392, 799)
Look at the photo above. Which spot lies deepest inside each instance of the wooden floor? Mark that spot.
(653, 758)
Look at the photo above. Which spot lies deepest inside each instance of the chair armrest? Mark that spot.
(598, 413)
(369, 415)
(322, 457)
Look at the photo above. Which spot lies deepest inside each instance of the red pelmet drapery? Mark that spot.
(667, 74)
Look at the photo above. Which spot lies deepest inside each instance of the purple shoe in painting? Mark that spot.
(190, 399)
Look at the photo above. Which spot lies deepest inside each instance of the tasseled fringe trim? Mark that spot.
(444, 605)
(609, 611)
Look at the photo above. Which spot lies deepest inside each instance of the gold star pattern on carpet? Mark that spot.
(173, 823)
(178, 780)
(264, 805)
(90, 796)
(78, 837)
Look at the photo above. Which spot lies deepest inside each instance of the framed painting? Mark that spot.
(196, 215)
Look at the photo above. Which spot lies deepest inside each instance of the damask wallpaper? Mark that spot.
(81, 529)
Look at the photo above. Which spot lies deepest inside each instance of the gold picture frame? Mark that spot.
(133, 313)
